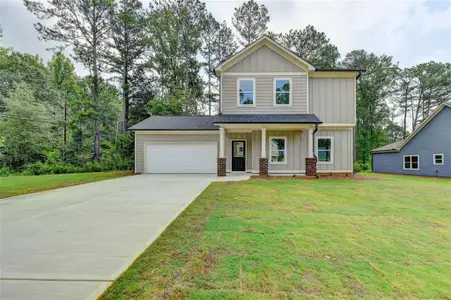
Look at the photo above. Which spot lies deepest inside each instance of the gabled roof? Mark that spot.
(270, 43)
(268, 119)
(156, 123)
(397, 146)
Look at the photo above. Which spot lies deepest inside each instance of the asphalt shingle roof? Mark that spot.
(176, 123)
(389, 147)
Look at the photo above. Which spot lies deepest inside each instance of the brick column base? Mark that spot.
(222, 163)
(310, 166)
(263, 167)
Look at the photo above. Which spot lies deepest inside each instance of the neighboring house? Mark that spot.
(427, 151)
(277, 114)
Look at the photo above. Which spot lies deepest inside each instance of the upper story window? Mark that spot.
(324, 150)
(246, 92)
(411, 162)
(282, 91)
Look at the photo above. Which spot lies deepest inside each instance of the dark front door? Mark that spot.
(238, 156)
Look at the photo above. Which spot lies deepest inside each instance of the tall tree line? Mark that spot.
(160, 60)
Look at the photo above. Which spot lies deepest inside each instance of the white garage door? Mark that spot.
(181, 157)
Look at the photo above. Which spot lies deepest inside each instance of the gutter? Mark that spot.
(314, 132)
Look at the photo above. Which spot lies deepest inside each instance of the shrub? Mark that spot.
(362, 167)
(5, 171)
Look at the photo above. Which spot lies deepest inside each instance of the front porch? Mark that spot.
(266, 149)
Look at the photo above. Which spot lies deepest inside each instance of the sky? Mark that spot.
(411, 31)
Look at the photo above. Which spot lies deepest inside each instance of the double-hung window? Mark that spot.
(246, 92)
(282, 91)
(439, 159)
(324, 150)
(278, 150)
(411, 162)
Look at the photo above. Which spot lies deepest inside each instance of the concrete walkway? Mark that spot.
(71, 243)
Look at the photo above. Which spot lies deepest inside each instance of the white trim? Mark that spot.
(135, 154)
(263, 73)
(274, 87)
(221, 142)
(404, 162)
(307, 96)
(443, 159)
(284, 162)
(341, 125)
(220, 96)
(309, 143)
(238, 92)
(332, 150)
(245, 155)
(180, 132)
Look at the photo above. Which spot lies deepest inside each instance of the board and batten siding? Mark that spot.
(296, 150)
(264, 95)
(142, 139)
(343, 157)
(264, 59)
(434, 138)
(333, 100)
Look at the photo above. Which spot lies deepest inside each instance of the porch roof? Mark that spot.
(268, 119)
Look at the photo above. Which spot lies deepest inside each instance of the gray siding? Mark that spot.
(342, 150)
(264, 98)
(434, 138)
(228, 148)
(141, 140)
(264, 60)
(296, 150)
(333, 100)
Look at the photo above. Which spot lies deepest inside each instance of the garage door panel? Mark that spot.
(181, 157)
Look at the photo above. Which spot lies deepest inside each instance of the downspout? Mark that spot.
(314, 132)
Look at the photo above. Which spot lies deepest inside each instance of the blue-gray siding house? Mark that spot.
(427, 151)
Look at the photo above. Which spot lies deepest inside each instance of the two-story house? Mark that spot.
(278, 115)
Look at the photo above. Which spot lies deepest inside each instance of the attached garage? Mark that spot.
(181, 157)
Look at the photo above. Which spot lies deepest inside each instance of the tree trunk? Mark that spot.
(125, 96)
(95, 95)
(65, 130)
(404, 133)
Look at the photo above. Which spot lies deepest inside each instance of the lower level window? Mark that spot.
(278, 148)
(439, 159)
(411, 162)
(324, 149)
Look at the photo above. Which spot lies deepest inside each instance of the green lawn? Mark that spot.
(296, 239)
(19, 185)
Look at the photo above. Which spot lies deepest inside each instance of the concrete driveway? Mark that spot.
(71, 243)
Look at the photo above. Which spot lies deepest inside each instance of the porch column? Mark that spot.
(310, 143)
(310, 160)
(222, 160)
(263, 163)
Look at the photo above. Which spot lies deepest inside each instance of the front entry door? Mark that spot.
(238, 156)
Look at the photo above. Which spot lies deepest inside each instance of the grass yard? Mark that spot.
(19, 185)
(295, 239)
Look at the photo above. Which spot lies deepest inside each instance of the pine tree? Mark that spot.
(129, 42)
(83, 25)
(313, 46)
(211, 60)
(225, 44)
(251, 21)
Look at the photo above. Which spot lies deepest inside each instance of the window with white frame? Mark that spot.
(411, 162)
(246, 92)
(324, 149)
(278, 150)
(282, 91)
(439, 159)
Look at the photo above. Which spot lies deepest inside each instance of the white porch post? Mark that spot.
(310, 143)
(263, 143)
(221, 143)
